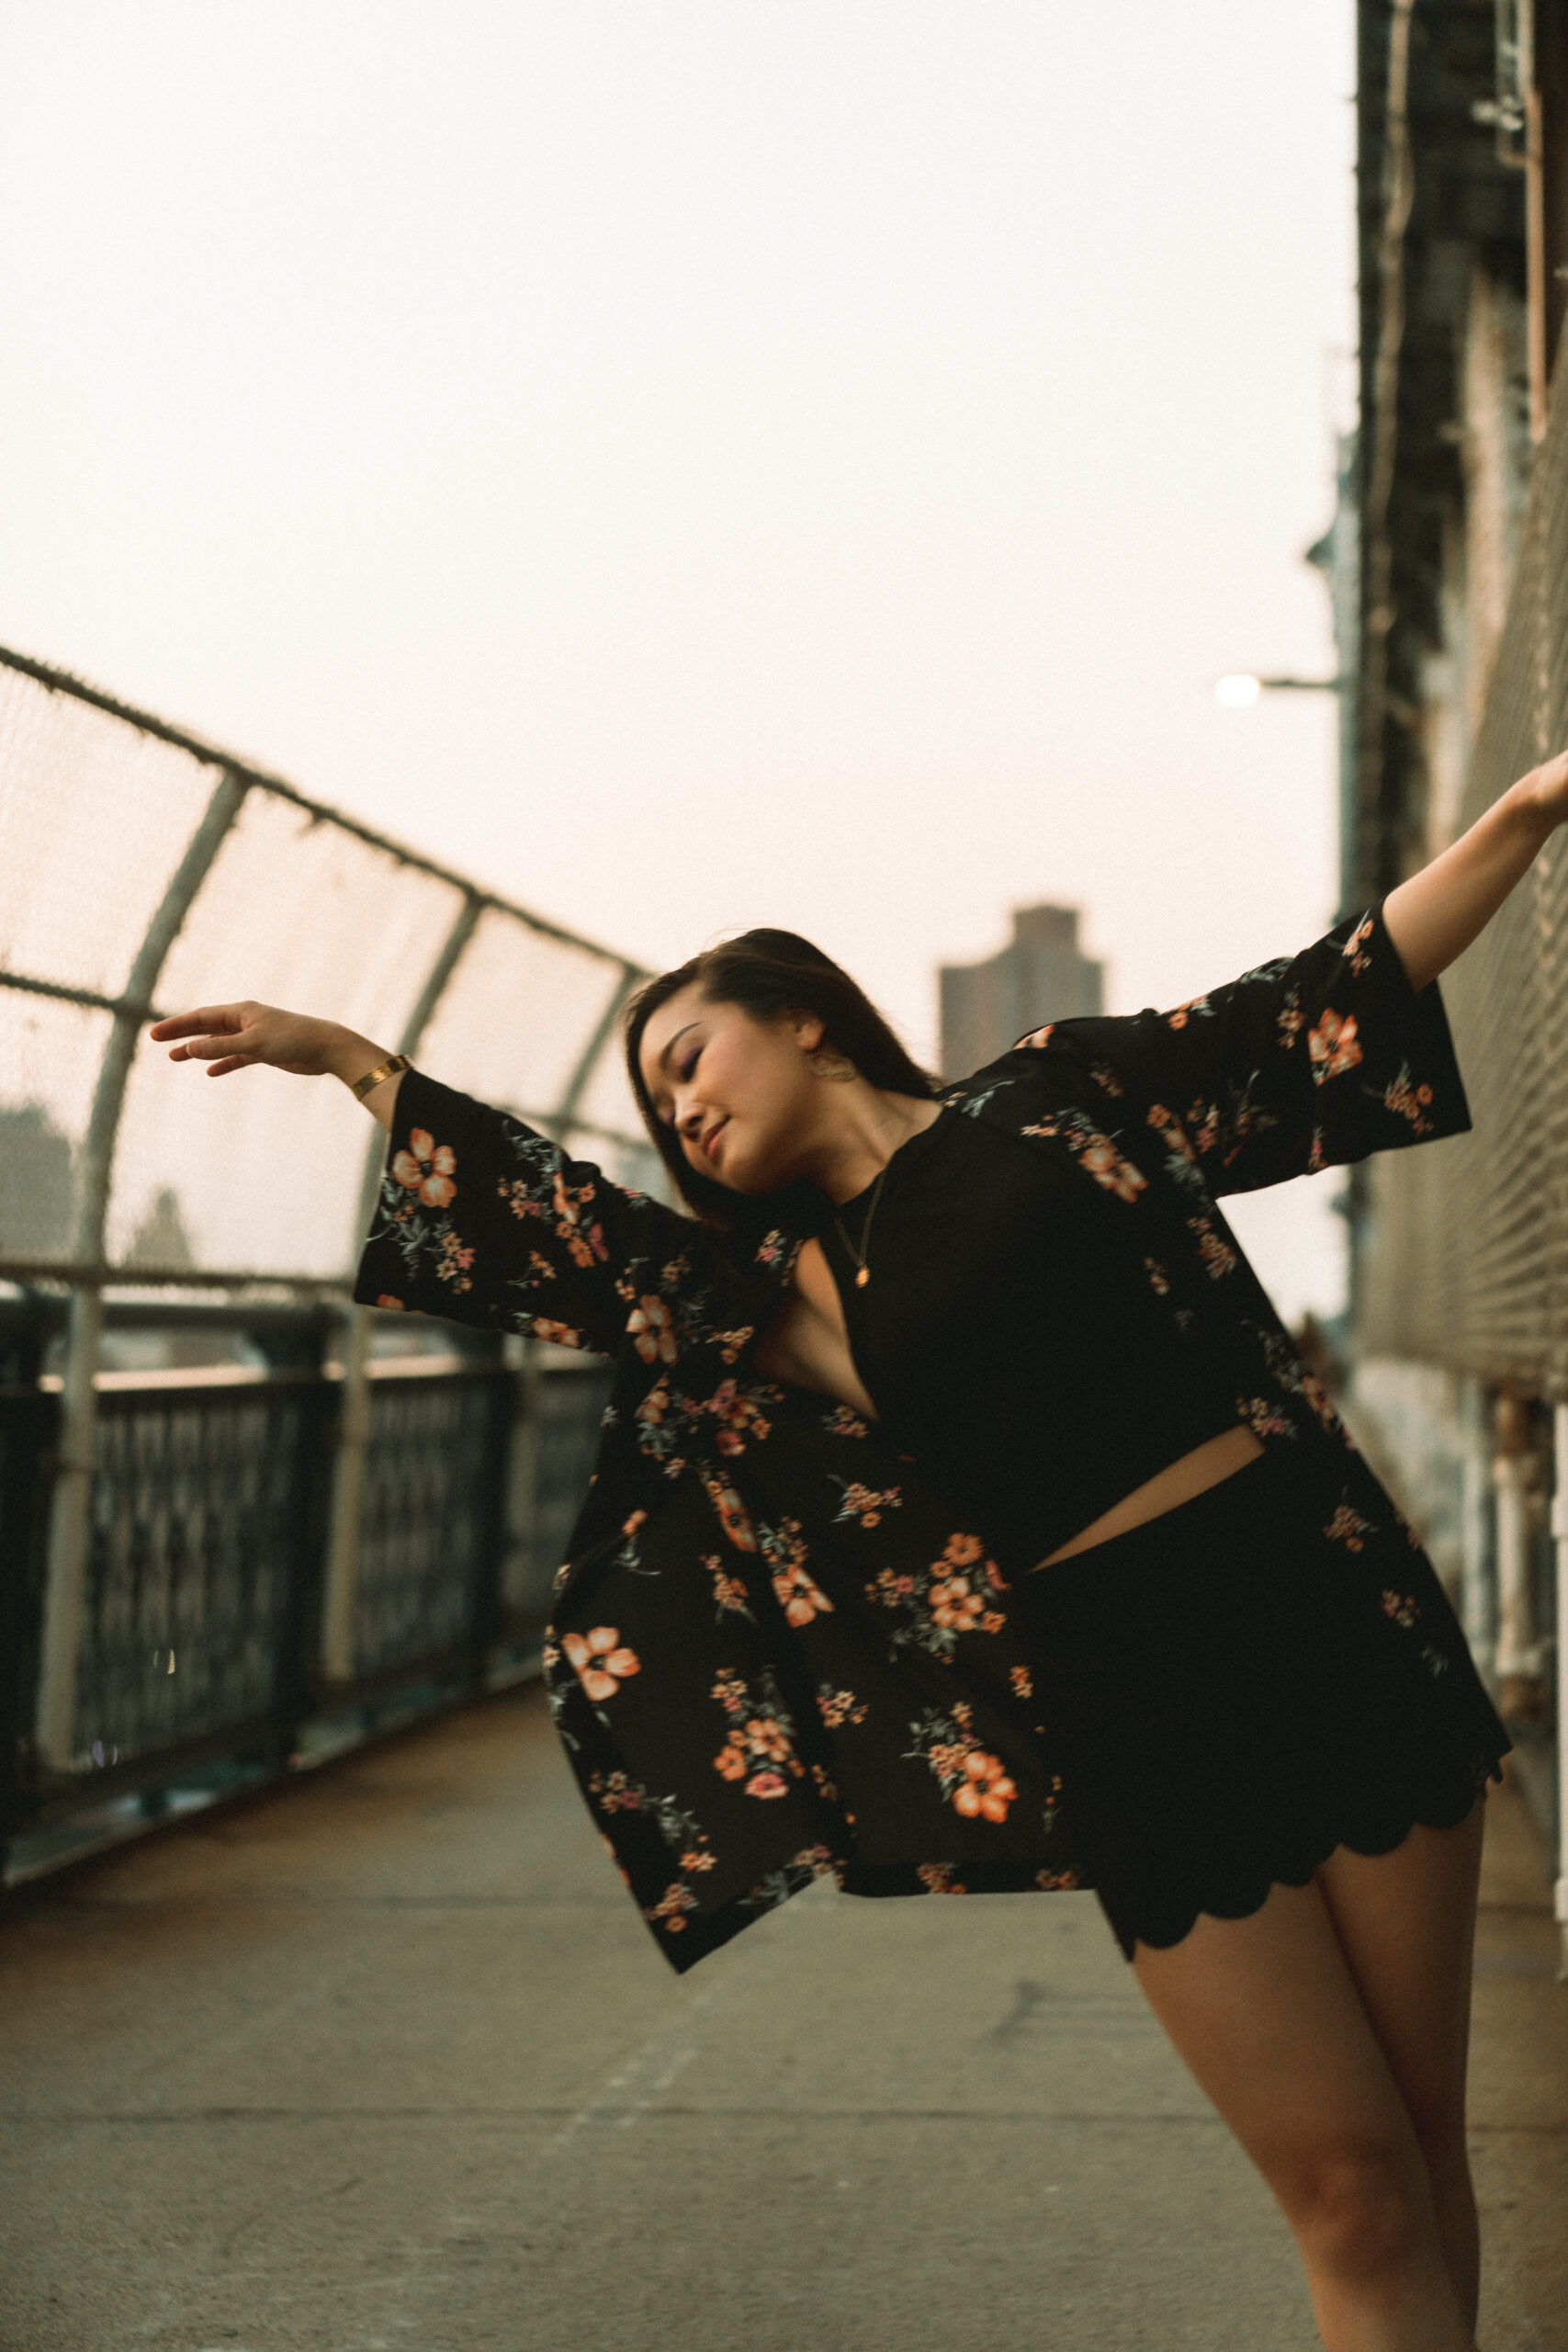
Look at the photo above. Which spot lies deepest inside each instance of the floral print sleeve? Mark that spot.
(1309, 1062)
(484, 1221)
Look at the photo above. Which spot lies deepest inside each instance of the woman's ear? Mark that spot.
(807, 1029)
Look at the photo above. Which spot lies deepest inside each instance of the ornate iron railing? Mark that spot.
(202, 1636)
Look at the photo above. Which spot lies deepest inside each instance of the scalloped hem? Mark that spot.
(1137, 1919)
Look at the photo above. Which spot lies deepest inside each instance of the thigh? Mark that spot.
(1405, 1922)
(1268, 2017)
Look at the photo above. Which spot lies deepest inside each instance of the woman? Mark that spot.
(965, 1521)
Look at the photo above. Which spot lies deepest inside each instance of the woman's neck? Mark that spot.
(867, 1128)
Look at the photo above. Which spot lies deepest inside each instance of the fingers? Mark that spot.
(218, 1050)
(210, 1020)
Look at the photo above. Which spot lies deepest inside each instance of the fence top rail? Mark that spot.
(61, 682)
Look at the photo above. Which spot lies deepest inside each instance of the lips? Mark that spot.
(710, 1141)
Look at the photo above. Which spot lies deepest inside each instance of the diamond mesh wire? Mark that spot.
(257, 1172)
(94, 817)
(513, 1025)
(1466, 1259)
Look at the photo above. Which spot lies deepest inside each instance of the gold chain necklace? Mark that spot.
(863, 1272)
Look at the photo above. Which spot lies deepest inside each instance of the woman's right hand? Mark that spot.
(238, 1036)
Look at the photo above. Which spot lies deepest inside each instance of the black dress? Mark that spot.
(788, 1642)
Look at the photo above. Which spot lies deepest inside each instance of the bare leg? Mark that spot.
(1271, 2018)
(1406, 1926)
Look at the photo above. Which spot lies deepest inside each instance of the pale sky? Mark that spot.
(693, 463)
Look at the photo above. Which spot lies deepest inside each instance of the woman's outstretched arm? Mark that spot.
(238, 1036)
(1432, 918)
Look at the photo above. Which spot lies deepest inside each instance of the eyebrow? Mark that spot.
(662, 1061)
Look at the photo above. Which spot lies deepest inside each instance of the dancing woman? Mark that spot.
(965, 1521)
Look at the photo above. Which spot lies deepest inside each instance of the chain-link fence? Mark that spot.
(1464, 1256)
(194, 1564)
(145, 872)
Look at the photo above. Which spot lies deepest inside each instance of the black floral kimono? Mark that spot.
(757, 1663)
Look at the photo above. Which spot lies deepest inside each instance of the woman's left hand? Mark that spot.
(1547, 785)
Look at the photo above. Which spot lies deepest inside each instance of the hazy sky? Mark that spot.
(702, 462)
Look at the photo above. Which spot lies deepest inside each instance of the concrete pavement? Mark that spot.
(386, 2063)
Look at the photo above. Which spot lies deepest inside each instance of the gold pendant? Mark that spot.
(863, 1278)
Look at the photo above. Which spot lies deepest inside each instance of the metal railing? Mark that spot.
(193, 1564)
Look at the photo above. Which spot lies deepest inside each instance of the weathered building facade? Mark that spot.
(1041, 975)
(1452, 625)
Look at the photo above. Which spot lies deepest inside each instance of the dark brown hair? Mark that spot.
(767, 974)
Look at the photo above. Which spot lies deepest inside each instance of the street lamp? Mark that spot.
(1239, 689)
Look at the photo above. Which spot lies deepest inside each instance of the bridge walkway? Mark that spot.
(384, 2061)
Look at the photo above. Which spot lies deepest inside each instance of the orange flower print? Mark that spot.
(731, 1759)
(1106, 1165)
(766, 1737)
(1407, 1100)
(953, 1605)
(840, 1707)
(1263, 1419)
(799, 1594)
(1035, 1039)
(451, 1264)
(1217, 1255)
(1351, 951)
(1401, 1607)
(731, 1513)
(387, 1301)
(600, 1662)
(1348, 1527)
(1023, 1682)
(866, 1503)
(1333, 1045)
(653, 1332)
(962, 1551)
(561, 1335)
(986, 1790)
(425, 1167)
(844, 1422)
(738, 1417)
(766, 1784)
(665, 1912)
(936, 1878)
(728, 1591)
(1174, 1135)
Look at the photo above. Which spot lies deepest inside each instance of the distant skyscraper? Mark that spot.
(1042, 975)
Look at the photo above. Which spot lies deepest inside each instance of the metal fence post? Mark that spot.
(1517, 1661)
(1475, 1497)
(346, 1511)
(564, 1116)
(65, 1588)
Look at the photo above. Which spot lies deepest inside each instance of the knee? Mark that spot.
(1358, 2212)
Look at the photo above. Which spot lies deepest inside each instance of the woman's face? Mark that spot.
(739, 1092)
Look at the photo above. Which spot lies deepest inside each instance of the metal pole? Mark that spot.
(1560, 1531)
(565, 1115)
(1475, 1497)
(343, 1539)
(1517, 1662)
(64, 1599)
(344, 1545)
